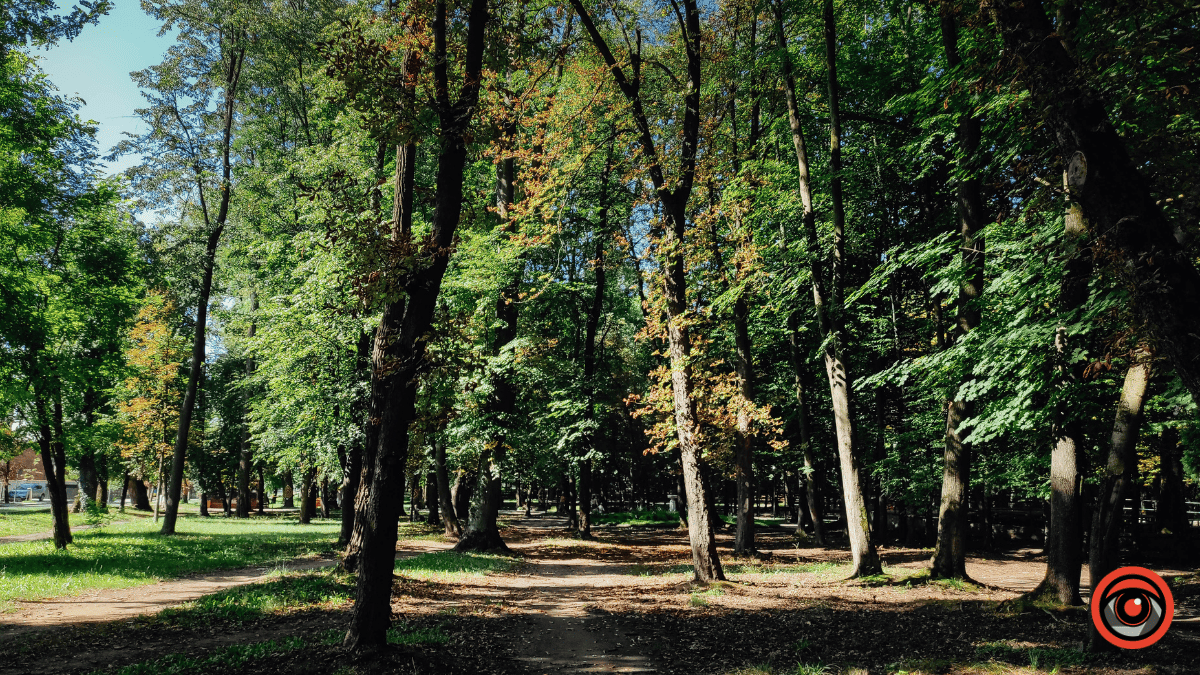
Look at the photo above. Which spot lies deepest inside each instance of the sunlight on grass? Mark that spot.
(700, 598)
(639, 517)
(449, 566)
(1033, 655)
(252, 601)
(16, 523)
(420, 531)
(758, 522)
(799, 669)
(418, 636)
(134, 554)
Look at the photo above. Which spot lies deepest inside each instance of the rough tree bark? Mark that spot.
(450, 522)
(233, 72)
(673, 197)
(378, 509)
(1104, 551)
(949, 556)
(50, 445)
(1116, 199)
(1064, 542)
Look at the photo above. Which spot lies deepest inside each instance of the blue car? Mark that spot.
(28, 491)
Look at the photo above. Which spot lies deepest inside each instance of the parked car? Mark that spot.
(28, 491)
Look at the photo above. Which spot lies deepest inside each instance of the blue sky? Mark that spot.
(96, 67)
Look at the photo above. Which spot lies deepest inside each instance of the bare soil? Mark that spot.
(622, 604)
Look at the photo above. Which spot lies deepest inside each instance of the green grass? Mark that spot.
(134, 554)
(766, 669)
(640, 517)
(451, 566)
(13, 524)
(420, 531)
(763, 522)
(750, 567)
(700, 598)
(1036, 657)
(247, 603)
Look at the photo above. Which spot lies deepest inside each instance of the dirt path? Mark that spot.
(562, 632)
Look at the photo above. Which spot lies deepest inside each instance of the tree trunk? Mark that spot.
(673, 199)
(1104, 551)
(1064, 540)
(592, 326)
(289, 499)
(53, 457)
(461, 495)
(308, 497)
(949, 557)
(1172, 507)
(445, 500)
(233, 74)
(433, 517)
(262, 492)
(203, 504)
(141, 496)
(397, 356)
(325, 497)
(1116, 200)
(743, 540)
(858, 528)
(88, 481)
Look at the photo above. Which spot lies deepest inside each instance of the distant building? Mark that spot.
(25, 466)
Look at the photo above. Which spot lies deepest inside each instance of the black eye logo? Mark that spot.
(1132, 607)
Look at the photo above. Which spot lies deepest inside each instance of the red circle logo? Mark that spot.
(1132, 607)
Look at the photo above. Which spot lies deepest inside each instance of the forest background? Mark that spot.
(877, 256)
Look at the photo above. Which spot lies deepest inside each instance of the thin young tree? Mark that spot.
(194, 97)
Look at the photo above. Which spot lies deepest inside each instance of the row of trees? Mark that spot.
(605, 247)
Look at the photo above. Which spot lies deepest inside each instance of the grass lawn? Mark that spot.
(133, 554)
(15, 523)
(640, 517)
(448, 566)
(663, 517)
(243, 604)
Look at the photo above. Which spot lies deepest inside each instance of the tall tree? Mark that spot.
(398, 354)
(672, 197)
(949, 556)
(193, 96)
